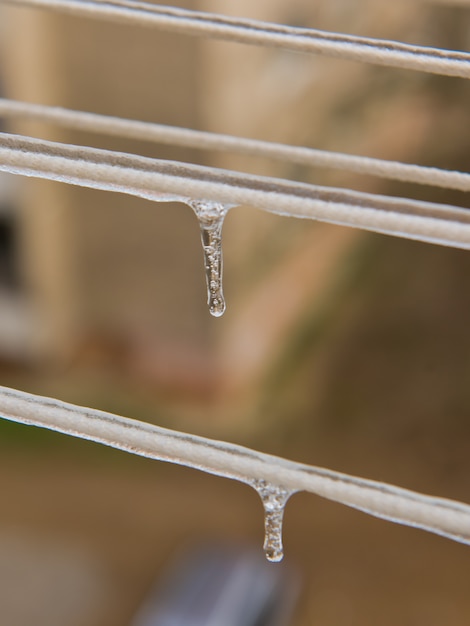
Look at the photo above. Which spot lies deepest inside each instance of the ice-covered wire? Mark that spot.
(381, 52)
(438, 515)
(160, 133)
(162, 180)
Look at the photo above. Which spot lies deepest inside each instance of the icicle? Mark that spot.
(274, 500)
(211, 217)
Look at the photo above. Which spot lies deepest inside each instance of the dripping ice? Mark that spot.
(211, 217)
(274, 499)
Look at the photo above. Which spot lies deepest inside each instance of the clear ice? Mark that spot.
(274, 500)
(211, 217)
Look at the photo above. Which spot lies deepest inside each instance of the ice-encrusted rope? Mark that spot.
(160, 180)
(444, 517)
(363, 49)
(189, 138)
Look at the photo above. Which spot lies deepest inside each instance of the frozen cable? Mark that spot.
(381, 52)
(438, 515)
(160, 180)
(160, 133)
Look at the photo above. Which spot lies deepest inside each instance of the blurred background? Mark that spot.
(338, 348)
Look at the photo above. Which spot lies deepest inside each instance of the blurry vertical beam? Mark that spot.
(33, 72)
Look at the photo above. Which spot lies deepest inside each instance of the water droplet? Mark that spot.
(211, 217)
(274, 500)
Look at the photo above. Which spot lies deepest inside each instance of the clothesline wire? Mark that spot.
(160, 133)
(445, 517)
(242, 30)
(160, 180)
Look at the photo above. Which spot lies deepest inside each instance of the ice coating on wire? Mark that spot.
(441, 516)
(155, 178)
(242, 30)
(173, 135)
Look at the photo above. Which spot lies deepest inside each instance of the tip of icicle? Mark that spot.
(217, 307)
(274, 556)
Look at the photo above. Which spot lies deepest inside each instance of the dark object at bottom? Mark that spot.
(221, 586)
